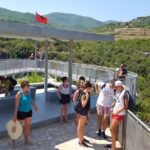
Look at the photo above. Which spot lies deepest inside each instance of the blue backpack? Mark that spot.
(131, 104)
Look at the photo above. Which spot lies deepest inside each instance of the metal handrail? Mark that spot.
(59, 68)
(140, 122)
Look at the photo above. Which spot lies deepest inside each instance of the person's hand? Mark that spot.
(111, 109)
(14, 118)
(89, 114)
(115, 112)
(36, 109)
(96, 85)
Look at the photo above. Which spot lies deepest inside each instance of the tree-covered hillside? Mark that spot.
(72, 21)
(138, 28)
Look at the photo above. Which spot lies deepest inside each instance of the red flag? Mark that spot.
(41, 19)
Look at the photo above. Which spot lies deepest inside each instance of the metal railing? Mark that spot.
(60, 68)
(134, 134)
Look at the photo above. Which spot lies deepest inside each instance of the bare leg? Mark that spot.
(14, 141)
(117, 131)
(77, 118)
(113, 127)
(66, 112)
(105, 122)
(99, 121)
(80, 129)
(27, 130)
(61, 113)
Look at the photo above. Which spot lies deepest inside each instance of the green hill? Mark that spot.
(56, 20)
(8, 15)
(72, 22)
(140, 22)
(138, 28)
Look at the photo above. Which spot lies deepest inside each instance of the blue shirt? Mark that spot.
(25, 102)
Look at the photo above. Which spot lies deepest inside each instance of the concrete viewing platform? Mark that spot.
(48, 110)
(47, 133)
(54, 136)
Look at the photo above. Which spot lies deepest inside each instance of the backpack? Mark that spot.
(103, 86)
(131, 104)
(77, 103)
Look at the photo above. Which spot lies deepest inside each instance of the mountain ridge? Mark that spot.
(67, 21)
(70, 21)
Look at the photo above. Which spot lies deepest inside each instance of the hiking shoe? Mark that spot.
(104, 135)
(108, 146)
(99, 133)
(85, 140)
(83, 144)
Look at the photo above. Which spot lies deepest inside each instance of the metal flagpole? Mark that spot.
(70, 66)
(46, 68)
(35, 57)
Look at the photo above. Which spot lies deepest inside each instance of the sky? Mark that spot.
(102, 10)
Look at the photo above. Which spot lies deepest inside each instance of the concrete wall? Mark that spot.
(134, 134)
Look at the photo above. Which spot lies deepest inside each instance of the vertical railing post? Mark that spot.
(46, 68)
(35, 59)
(70, 66)
(124, 125)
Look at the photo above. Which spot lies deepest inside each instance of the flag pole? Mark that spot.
(35, 57)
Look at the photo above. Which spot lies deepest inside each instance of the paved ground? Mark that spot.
(58, 137)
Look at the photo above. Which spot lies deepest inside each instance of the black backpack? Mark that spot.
(77, 103)
(131, 104)
(103, 86)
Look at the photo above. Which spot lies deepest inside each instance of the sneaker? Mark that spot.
(99, 133)
(108, 146)
(83, 144)
(104, 135)
(85, 140)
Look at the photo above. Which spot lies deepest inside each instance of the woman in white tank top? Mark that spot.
(119, 111)
(64, 99)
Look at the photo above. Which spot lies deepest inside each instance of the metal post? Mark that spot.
(46, 68)
(35, 57)
(70, 65)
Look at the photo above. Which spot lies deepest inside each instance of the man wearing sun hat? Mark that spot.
(119, 111)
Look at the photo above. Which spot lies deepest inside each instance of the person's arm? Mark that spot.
(126, 101)
(58, 92)
(34, 105)
(75, 96)
(117, 73)
(16, 105)
(97, 88)
(84, 99)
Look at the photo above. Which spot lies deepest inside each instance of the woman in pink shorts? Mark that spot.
(103, 106)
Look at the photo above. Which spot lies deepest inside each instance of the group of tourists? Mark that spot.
(112, 99)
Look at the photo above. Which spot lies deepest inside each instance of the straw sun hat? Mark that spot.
(14, 129)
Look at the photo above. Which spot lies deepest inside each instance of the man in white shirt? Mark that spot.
(103, 106)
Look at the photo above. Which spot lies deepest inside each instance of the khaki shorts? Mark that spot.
(101, 110)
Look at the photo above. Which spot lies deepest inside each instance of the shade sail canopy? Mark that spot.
(35, 32)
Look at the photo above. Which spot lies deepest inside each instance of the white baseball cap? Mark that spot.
(119, 83)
